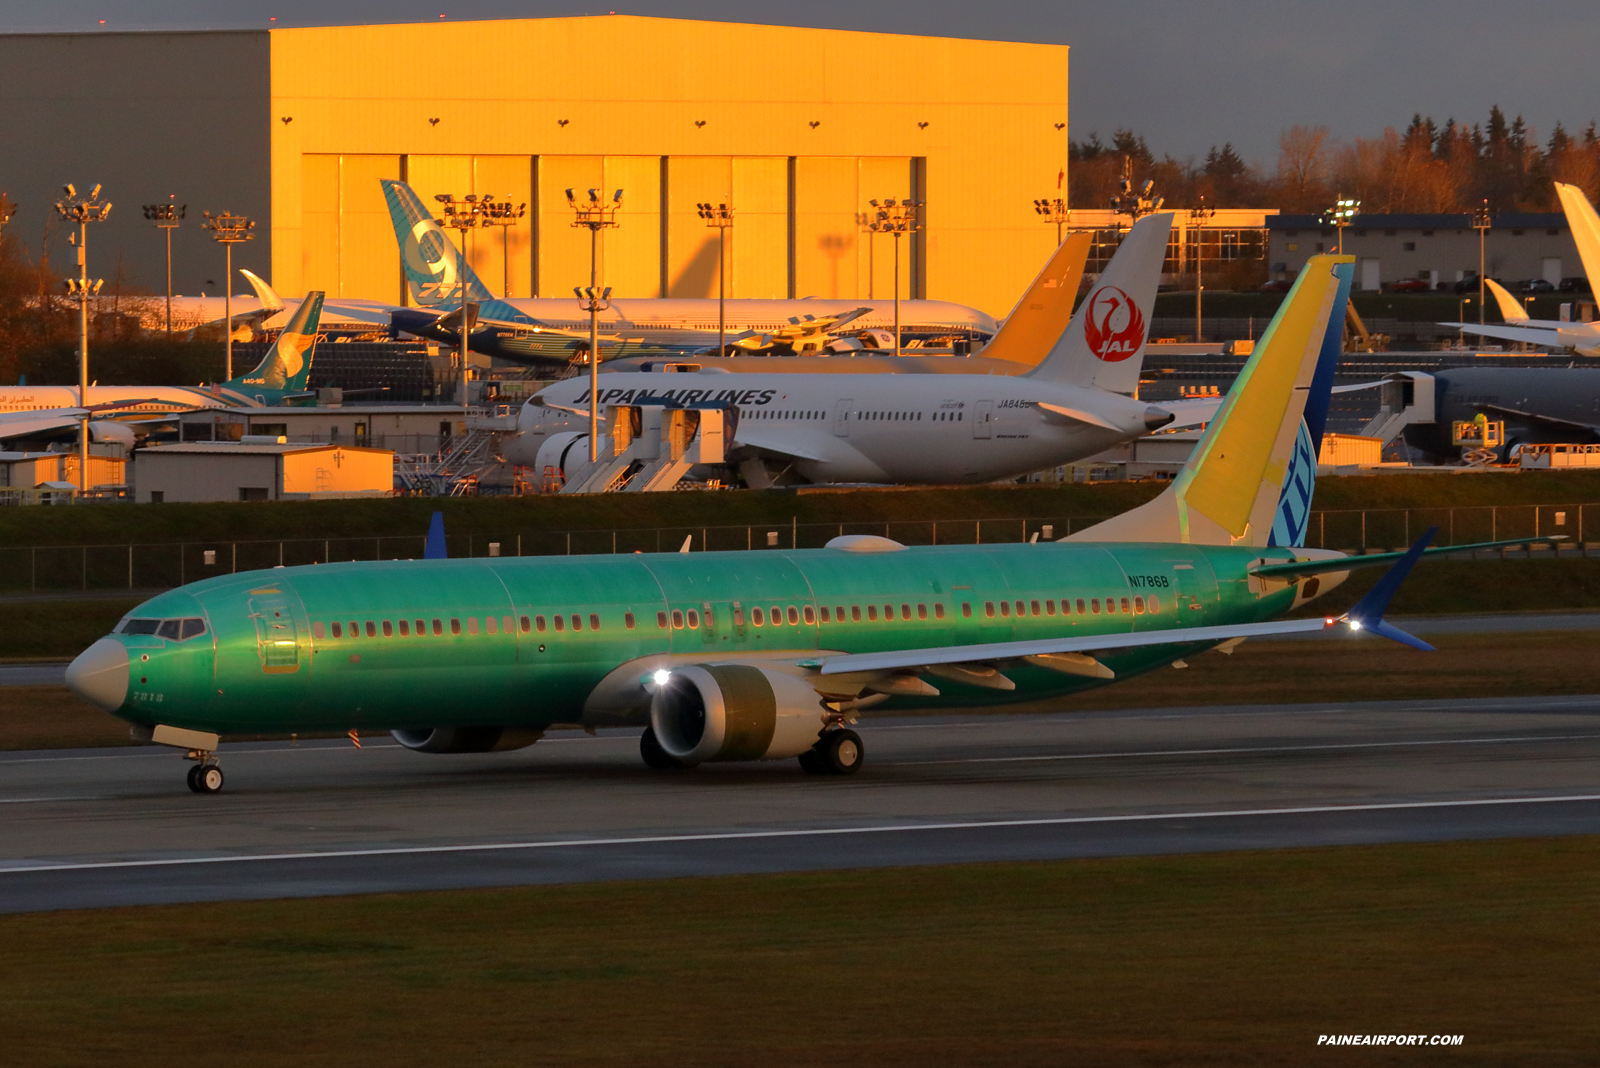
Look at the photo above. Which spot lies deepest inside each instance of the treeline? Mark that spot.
(1427, 167)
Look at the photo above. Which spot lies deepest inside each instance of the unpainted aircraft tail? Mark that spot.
(434, 267)
(1104, 343)
(1248, 480)
(1585, 226)
(1042, 315)
(287, 365)
(1511, 310)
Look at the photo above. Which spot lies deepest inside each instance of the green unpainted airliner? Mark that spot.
(760, 655)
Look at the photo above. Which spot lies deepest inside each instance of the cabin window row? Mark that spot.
(1135, 606)
(419, 628)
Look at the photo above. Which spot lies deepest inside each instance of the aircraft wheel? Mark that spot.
(655, 756)
(194, 779)
(207, 779)
(841, 752)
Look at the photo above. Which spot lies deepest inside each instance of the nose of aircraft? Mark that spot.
(1156, 418)
(100, 674)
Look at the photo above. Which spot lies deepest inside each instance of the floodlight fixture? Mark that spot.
(81, 211)
(896, 217)
(595, 215)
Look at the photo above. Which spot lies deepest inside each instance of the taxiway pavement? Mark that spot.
(87, 828)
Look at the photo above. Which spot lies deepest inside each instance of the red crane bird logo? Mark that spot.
(1114, 326)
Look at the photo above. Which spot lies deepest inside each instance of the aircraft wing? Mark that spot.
(1535, 332)
(1553, 422)
(783, 442)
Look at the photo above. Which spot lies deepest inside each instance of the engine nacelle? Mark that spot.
(467, 739)
(706, 712)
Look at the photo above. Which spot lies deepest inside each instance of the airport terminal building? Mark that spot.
(797, 129)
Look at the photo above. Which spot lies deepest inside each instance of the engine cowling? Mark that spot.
(467, 739)
(707, 712)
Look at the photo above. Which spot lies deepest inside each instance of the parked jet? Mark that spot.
(896, 428)
(737, 656)
(1582, 338)
(554, 331)
(1539, 405)
(281, 375)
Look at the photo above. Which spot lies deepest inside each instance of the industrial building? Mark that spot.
(407, 428)
(295, 127)
(259, 471)
(1440, 249)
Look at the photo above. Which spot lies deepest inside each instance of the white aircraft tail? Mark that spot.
(1585, 227)
(1104, 343)
(1511, 310)
(1044, 311)
(270, 301)
(1230, 490)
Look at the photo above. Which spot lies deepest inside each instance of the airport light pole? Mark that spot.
(1341, 215)
(505, 215)
(721, 217)
(1461, 336)
(1054, 211)
(1133, 202)
(1198, 217)
(1480, 223)
(228, 230)
(462, 215)
(81, 211)
(166, 217)
(597, 215)
(897, 218)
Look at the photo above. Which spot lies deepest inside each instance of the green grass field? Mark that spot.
(1224, 959)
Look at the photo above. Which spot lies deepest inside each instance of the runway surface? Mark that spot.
(84, 828)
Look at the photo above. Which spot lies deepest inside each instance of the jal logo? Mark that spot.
(1114, 326)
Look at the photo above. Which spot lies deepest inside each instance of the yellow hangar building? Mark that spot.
(797, 129)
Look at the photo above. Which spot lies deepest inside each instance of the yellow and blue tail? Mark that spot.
(286, 368)
(435, 269)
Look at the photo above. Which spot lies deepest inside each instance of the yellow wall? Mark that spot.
(346, 470)
(982, 123)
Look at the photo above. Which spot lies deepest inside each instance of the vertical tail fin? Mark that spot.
(435, 268)
(1585, 227)
(1231, 490)
(1510, 310)
(287, 365)
(1104, 343)
(435, 547)
(1042, 315)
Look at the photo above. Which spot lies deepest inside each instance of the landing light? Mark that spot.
(1355, 624)
(661, 676)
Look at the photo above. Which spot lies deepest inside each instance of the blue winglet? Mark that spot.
(1368, 612)
(436, 549)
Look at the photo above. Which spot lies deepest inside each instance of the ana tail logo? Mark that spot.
(1114, 326)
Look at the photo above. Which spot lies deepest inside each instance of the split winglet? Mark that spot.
(436, 549)
(1368, 612)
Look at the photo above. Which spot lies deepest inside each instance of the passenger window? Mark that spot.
(489, 625)
(561, 623)
(506, 624)
(905, 612)
(694, 619)
(372, 629)
(627, 620)
(872, 612)
(827, 617)
(355, 629)
(1155, 603)
(677, 619)
(966, 609)
(1094, 605)
(527, 624)
(922, 611)
(794, 616)
(1126, 608)
(338, 631)
(988, 609)
(1138, 606)
(455, 626)
(1049, 608)
(388, 629)
(855, 613)
(738, 616)
(1019, 608)
(472, 624)
(405, 629)
(809, 614)
(938, 610)
(1080, 606)
(438, 628)
(838, 613)
(661, 620)
(1033, 607)
(317, 631)
(1005, 608)
(538, 621)
(422, 628)
(170, 629)
(594, 621)
(776, 615)
(888, 611)
(577, 621)
(756, 616)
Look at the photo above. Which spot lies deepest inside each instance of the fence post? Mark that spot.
(747, 542)
(280, 553)
(794, 532)
(235, 565)
(935, 532)
(1406, 528)
(1494, 523)
(569, 543)
(1322, 530)
(130, 567)
(519, 544)
(977, 532)
(85, 566)
(1363, 530)
(705, 542)
(327, 558)
(613, 543)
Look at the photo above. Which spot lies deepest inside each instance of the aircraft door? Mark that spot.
(983, 419)
(280, 633)
(841, 418)
(1194, 592)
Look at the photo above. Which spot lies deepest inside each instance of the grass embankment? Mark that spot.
(1233, 958)
(482, 517)
(1259, 673)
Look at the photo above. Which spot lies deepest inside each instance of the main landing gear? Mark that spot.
(837, 752)
(205, 777)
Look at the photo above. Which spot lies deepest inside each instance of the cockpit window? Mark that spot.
(139, 626)
(193, 628)
(170, 628)
(177, 630)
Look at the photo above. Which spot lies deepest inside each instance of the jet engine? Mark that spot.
(706, 712)
(467, 739)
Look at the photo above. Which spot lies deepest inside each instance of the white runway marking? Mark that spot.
(1241, 749)
(42, 800)
(814, 832)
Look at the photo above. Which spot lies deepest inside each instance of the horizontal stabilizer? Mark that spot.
(1295, 568)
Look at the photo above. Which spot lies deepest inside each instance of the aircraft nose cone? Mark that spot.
(1156, 418)
(100, 674)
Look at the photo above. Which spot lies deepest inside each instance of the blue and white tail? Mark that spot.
(287, 365)
(435, 268)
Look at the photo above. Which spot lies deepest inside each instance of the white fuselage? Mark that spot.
(157, 399)
(676, 315)
(870, 428)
